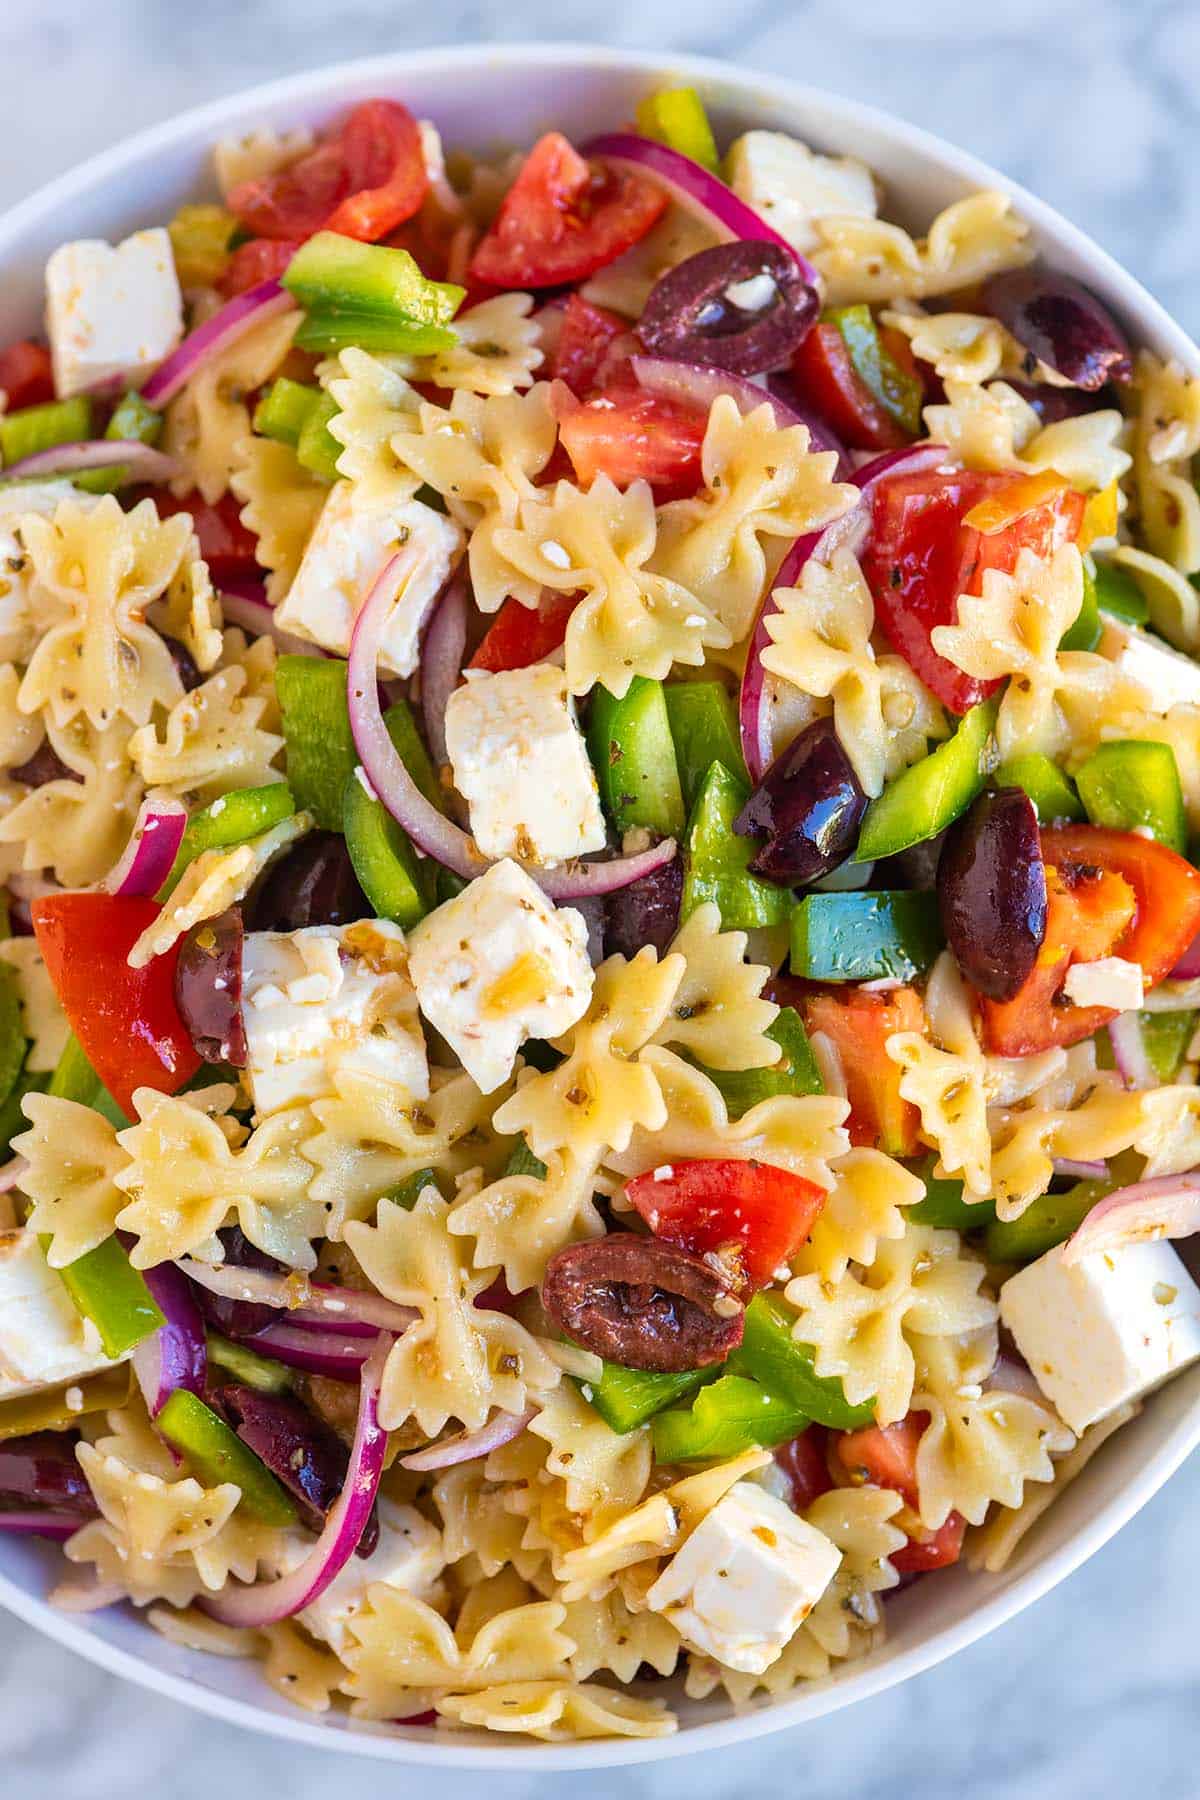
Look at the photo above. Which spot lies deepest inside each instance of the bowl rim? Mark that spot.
(815, 1699)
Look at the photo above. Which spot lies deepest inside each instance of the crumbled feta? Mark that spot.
(752, 295)
(17, 632)
(1105, 1330)
(407, 1556)
(325, 998)
(44, 1340)
(746, 1579)
(112, 314)
(1111, 981)
(499, 964)
(791, 185)
(345, 553)
(522, 766)
(1169, 678)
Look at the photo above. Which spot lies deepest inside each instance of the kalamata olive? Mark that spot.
(208, 988)
(1053, 404)
(821, 435)
(644, 1303)
(314, 884)
(808, 807)
(185, 664)
(306, 1455)
(238, 1318)
(645, 912)
(915, 868)
(741, 307)
(1061, 323)
(992, 892)
(44, 765)
(41, 1470)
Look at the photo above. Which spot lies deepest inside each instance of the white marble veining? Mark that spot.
(1094, 104)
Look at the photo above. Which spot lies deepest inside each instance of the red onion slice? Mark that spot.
(32, 1523)
(324, 1306)
(441, 663)
(175, 1355)
(1129, 1051)
(257, 617)
(1188, 966)
(1168, 1206)
(338, 1354)
(233, 321)
(429, 829)
(696, 189)
(143, 461)
(1080, 1171)
(694, 384)
(268, 1602)
(153, 845)
(465, 1445)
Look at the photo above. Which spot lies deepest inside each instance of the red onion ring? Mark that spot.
(1082, 1171)
(175, 1355)
(694, 384)
(257, 617)
(340, 1355)
(148, 857)
(465, 1445)
(1129, 1051)
(1188, 966)
(429, 829)
(268, 1602)
(233, 321)
(442, 652)
(1167, 1206)
(143, 461)
(325, 1306)
(31, 1523)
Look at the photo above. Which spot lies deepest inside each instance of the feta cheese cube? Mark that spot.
(1110, 981)
(746, 1579)
(499, 964)
(1168, 678)
(17, 631)
(1104, 1330)
(325, 998)
(522, 766)
(44, 1341)
(791, 185)
(112, 314)
(345, 553)
(408, 1556)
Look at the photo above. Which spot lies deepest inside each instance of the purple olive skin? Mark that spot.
(238, 1319)
(1059, 323)
(208, 988)
(314, 884)
(44, 765)
(645, 912)
(1052, 404)
(992, 892)
(41, 1470)
(185, 664)
(304, 1454)
(915, 868)
(690, 313)
(808, 807)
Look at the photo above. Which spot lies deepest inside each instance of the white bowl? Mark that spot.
(482, 97)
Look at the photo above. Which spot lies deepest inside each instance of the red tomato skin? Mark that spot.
(1166, 891)
(363, 181)
(827, 379)
(564, 218)
(755, 1209)
(885, 1455)
(261, 259)
(630, 436)
(227, 546)
(586, 340)
(944, 1547)
(521, 635)
(26, 374)
(805, 1462)
(125, 1019)
(860, 1024)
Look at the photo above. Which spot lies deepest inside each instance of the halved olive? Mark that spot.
(741, 307)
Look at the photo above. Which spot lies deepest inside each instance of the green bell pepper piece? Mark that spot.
(406, 1193)
(235, 818)
(1046, 1221)
(33, 428)
(75, 1079)
(1052, 792)
(770, 1354)
(676, 117)
(338, 275)
(945, 1205)
(48, 1409)
(900, 394)
(522, 1161)
(12, 1119)
(728, 1416)
(316, 726)
(705, 729)
(716, 860)
(316, 448)
(410, 747)
(932, 794)
(1086, 630)
(626, 1398)
(865, 936)
(106, 1288)
(13, 1045)
(1119, 594)
(325, 331)
(201, 238)
(1135, 785)
(246, 1366)
(1165, 1038)
(132, 421)
(284, 408)
(389, 871)
(632, 751)
(796, 1072)
(215, 1454)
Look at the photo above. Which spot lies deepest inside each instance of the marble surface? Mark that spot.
(1093, 104)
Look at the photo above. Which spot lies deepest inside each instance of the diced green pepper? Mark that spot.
(283, 409)
(865, 936)
(370, 295)
(705, 729)
(630, 744)
(34, 428)
(626, 1398)
(770, 1354)
(389, 871)
(106, 1288)
(316, 448)
(247, 1366)
(216, 1454)
(234, 818)
(132, 422)
(932, 794)
(13, 1043)
(50, 1409)
(1052, 792)
(676, 117)
(410, 747)
(1165, 1038)
(522, 1161)
(716, 860)
(316, 726)
(1086, 630)
(945, 1204)
(201, 237)
(12, 1119)
(326, 331)
(1046, 1221)
(900, 393)
(1119, 594)
(75, 1079)
(796, 1072)
(406, 1193)
(1134, 785)
(730, 1415)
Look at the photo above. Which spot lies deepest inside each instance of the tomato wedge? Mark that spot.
(921, 556)
(262, 259)
(885, 1455)
(1109, 893)
(125, 1019)
(521, 635)
(364, 180)
(937, 1551)
(630, 435)
(26, 375)
(802, 1459)
(751, 1214)
(859, 1025)
(564, 218)
(586, 340)
(226, 545)
(827, 379)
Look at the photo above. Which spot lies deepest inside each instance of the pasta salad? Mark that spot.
(601, 960)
